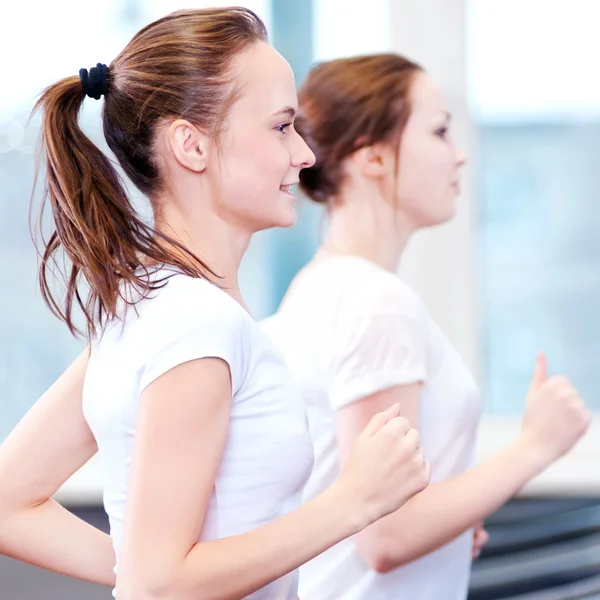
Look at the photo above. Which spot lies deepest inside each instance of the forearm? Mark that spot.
(51, 537)
(232, 568)
(445, 510)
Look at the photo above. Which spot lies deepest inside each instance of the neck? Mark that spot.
(210, 238)
(366, 226)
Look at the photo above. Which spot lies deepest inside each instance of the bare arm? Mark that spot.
(178, 429)
(556, 415)
(50, 443)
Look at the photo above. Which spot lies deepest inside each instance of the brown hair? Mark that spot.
(348, 104)
(176, 67)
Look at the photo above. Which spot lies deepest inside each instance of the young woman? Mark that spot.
(359, 340)
(199, 426)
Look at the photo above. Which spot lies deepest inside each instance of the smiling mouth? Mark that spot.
(285, 188)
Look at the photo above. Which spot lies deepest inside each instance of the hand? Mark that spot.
(480, 538)
(385, 467)
(555, 415)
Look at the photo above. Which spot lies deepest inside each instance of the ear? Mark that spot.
(374, 160)
(188, 145)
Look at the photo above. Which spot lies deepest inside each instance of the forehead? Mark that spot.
(426, 96)
(266, 80)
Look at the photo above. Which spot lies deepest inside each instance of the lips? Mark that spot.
(286, 187)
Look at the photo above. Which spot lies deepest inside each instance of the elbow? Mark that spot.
(374, 549)
(380, 562)
(380, 552)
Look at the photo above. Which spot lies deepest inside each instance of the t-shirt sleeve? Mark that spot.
(378, 346)
(198, 327)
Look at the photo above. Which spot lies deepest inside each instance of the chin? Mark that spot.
(287, 218)
(432, 220)
(449, 216)
(281, 220)
(446, 214)
(286, 224)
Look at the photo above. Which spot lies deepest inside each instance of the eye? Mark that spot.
(442, 132)
(282, 128)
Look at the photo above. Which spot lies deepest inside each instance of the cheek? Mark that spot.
(424, 185)
(244, 172)
(250, 151)
(250, 178)
(415, 176)
(248, 158)
(426, 169)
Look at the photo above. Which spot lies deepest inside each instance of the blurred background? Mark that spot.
(514, 273)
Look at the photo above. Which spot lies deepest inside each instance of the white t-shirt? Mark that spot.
(348, 329)
(268, 454)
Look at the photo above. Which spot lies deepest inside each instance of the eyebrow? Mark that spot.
(288, 111)
(447, 114)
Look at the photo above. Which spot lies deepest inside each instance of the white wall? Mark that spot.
(440, 263)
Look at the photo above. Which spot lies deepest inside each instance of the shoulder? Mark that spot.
(188, 319)
(370, 289)
(193, 301)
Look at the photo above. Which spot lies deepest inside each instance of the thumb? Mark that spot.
(381, 418)
(540, 372)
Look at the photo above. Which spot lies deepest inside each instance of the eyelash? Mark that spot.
(281, 128)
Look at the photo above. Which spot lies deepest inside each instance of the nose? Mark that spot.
(461, 157)
(302, 157)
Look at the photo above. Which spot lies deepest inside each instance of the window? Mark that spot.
(536, 102)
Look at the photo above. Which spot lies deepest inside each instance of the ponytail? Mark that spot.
(95, 224)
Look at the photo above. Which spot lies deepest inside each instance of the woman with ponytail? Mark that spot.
(200, 428)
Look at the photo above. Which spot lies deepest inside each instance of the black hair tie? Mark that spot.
(94, 84)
